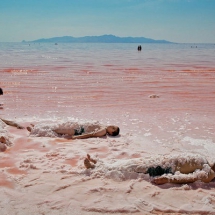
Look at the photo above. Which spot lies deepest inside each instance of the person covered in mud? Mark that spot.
(83, 132)
(175, 169)
(4, 139)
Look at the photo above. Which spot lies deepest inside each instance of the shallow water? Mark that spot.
(110, 83)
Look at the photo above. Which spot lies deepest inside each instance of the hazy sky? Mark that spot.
(173, 20)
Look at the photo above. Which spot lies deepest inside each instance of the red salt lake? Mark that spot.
(111, 83)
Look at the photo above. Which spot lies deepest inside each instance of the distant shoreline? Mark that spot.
(97, 39)
(173, 43)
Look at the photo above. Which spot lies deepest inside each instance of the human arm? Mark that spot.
(11, 123)
(206, 177)
(165, 179)
(100, 133)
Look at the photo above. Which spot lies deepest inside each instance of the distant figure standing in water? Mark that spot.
(139, 48)
(83, 132)
(1, 93)
(189, 168)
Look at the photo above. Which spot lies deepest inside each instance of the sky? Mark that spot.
(182, 21)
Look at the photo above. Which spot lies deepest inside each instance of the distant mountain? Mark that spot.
(98, 39)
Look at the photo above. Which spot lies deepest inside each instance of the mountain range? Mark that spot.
(98, 39)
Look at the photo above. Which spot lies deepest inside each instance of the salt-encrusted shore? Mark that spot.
(46, 175)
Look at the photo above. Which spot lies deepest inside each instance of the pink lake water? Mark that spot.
(112, 84)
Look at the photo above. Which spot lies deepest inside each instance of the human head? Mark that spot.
(113, 130)
(1, 91)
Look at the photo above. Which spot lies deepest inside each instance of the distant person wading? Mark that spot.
(1, 93)
(139, 48)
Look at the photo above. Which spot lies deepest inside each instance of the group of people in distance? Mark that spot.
(160, 174)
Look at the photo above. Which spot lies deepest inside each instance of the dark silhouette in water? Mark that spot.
(139, 48)
(1, 93)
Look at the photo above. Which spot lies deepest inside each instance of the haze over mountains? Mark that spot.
(98, 39)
